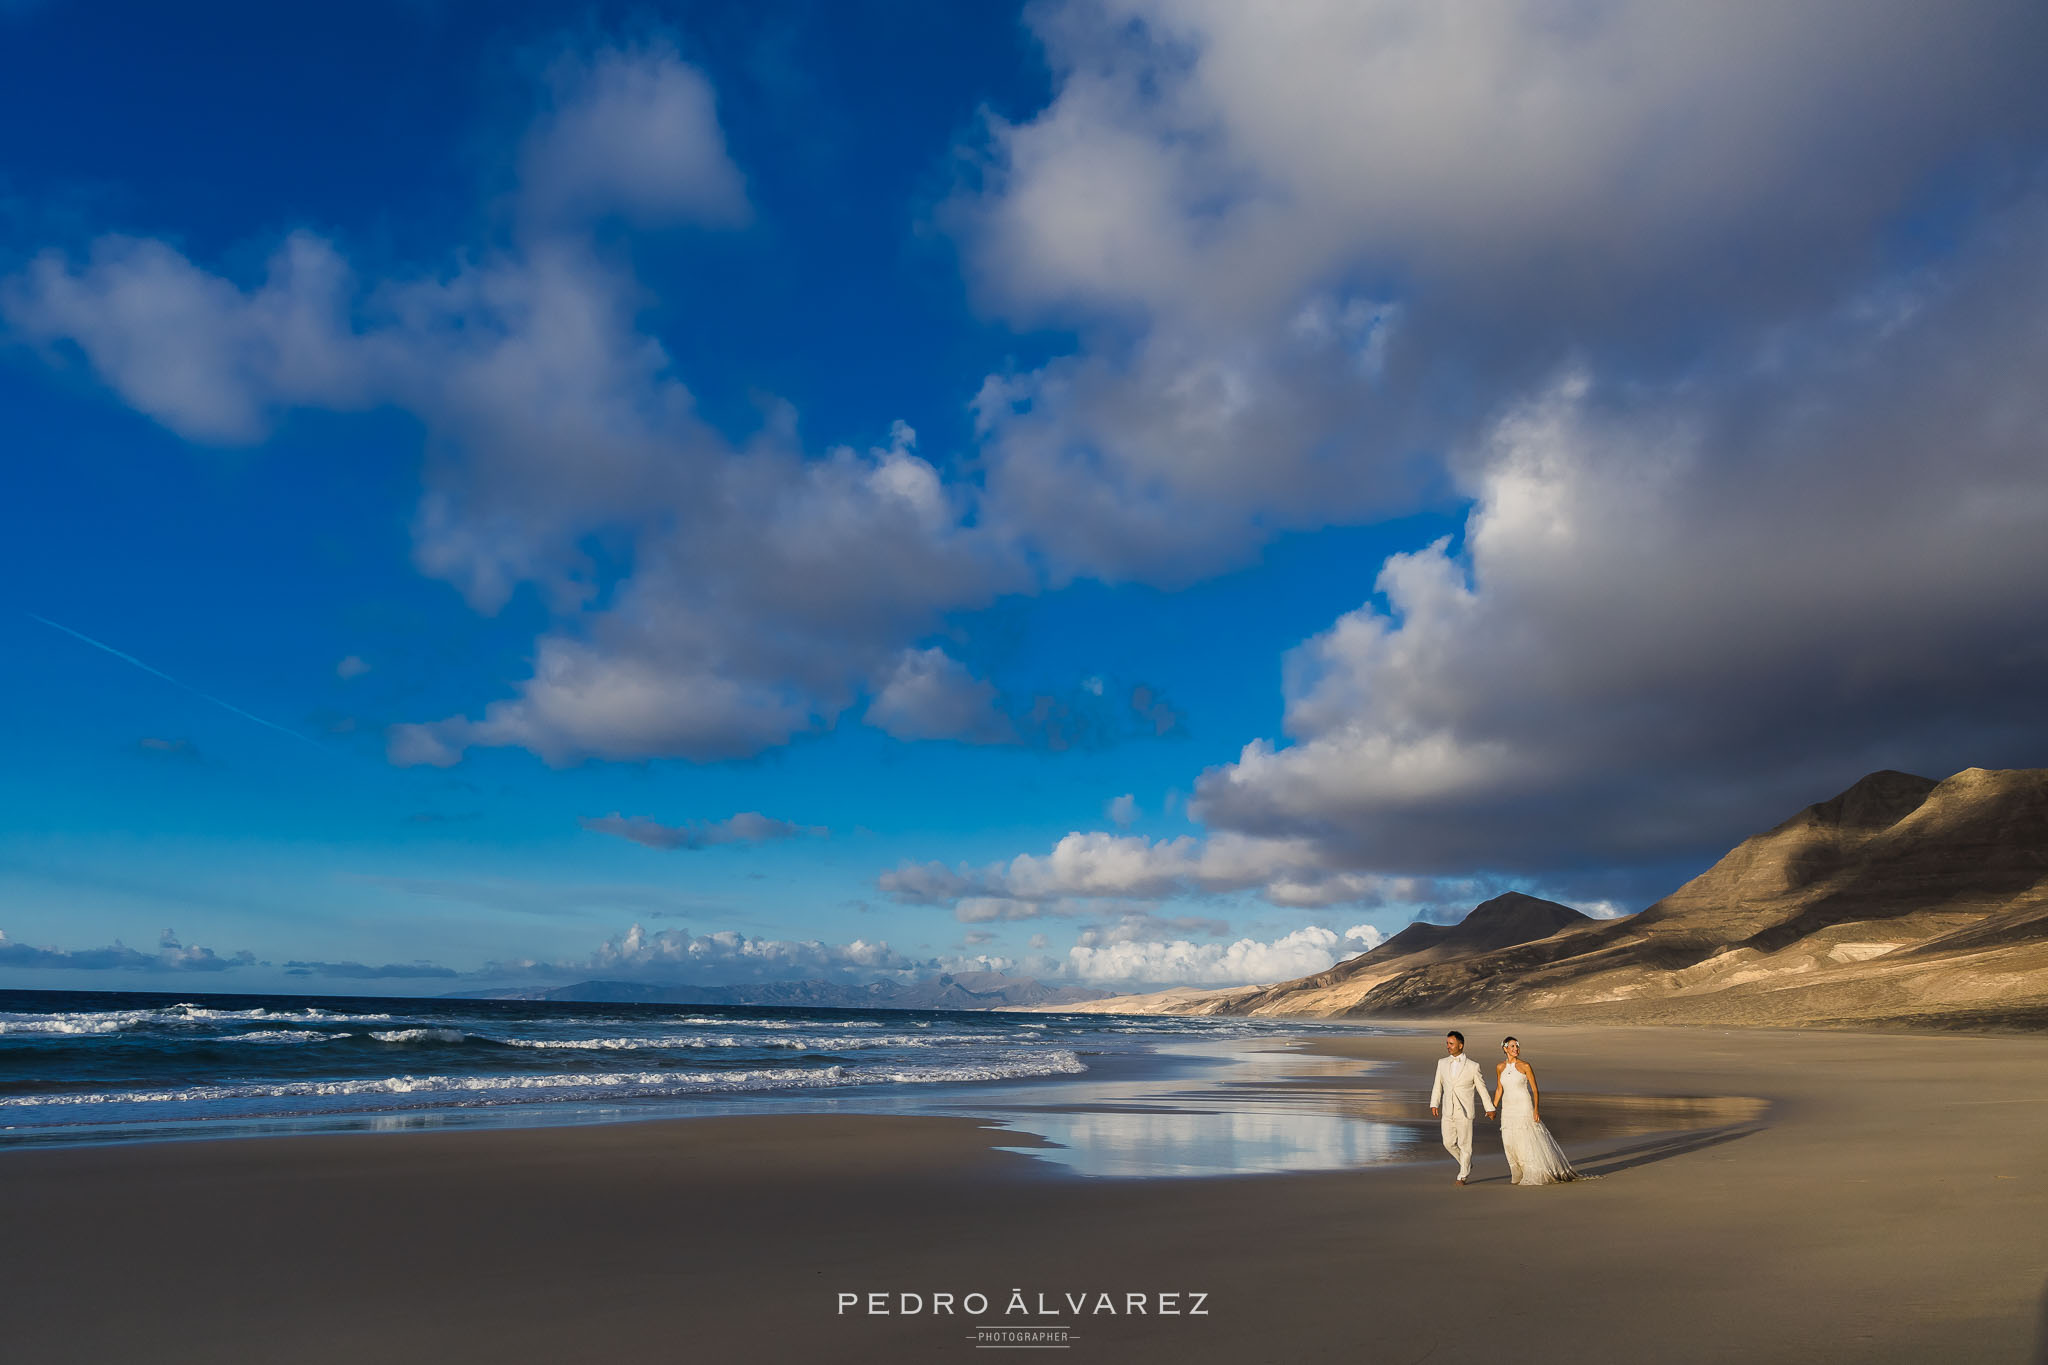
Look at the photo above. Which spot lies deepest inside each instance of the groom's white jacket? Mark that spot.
(1458, 1081)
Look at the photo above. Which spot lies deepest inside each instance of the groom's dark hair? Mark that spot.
(1455, 1034)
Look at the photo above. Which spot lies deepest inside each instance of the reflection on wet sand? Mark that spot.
(1157, 1142)
(1277, 1109)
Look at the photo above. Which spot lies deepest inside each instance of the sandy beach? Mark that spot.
(1886, 1202)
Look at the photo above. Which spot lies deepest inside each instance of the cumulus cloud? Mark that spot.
(1141, 962)
(930, 695)
(1122, 810)
(986, 909)
(1094, 866)
(748, 827)
(634, 132)
(351, 666)
(1303, 246)
(767, 591)
(1142, 926)
(211, 361)
(1679, 608)
(726, 957)
(170, 956)
(769, 587)
(1727, 327)
(928, 883)
(1678, 611)
(1619, 146)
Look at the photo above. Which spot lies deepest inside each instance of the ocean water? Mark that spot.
(99, 1067)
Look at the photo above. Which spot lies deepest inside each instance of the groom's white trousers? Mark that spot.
(1458, 1139)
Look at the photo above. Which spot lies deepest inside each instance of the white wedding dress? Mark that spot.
(1534, 1158)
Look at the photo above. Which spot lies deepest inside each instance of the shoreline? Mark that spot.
(1887, 1207)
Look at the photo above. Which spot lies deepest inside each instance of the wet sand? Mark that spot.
(1889, 1204)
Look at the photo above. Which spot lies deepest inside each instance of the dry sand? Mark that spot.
(1889, 1206)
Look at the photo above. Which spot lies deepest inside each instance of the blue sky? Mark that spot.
(776, 476)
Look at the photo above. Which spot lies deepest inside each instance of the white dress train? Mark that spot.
(1534, 1158)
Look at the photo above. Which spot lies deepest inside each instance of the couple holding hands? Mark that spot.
(1534, 1158)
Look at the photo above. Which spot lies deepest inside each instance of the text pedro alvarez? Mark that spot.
(1088, 1303)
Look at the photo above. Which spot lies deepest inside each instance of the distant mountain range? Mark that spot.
(1902, 900)
(953, 991)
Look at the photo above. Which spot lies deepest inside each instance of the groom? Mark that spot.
(1459, 1093)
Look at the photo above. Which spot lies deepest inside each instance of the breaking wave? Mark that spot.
(88, 1022)
(614, 1084)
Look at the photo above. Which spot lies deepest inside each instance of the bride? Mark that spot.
(1534, 1158)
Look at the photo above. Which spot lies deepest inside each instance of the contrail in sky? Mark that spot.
(159, 673)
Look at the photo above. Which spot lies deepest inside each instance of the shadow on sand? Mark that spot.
(1662, 1149)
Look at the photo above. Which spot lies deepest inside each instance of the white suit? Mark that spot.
(1460, 1093)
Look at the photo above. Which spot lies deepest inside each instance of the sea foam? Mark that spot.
(610, 1085)
(89, 1022)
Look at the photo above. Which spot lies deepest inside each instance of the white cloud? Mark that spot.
(633, 132)
(1752, 512)
(1247, 152)
(585, 702)
(1095, 866)
(929, 695)
(1734, 539)
(351, 666)
(1135, 963)
(676, 955)
(927, 883)
(1681, 609)
(170, 956)
(1142, 926)
(769, 588)
(1122, 810)
(987, 909)
(1303, 245)
(212, 362)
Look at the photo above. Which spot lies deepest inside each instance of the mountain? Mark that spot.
(1499, 923)
(1901, 900)
(1502, 922)
(952, 991)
